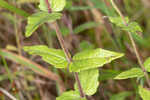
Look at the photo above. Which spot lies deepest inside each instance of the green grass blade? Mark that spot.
(7, 69)
(27, 63)
(12, 8)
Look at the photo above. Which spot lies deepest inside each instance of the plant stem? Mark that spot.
(17, 33)
(133, 44)
(17, 36)
(68, 22)
(66, 51)
(48, 6)
(68, 56)
(118, 11)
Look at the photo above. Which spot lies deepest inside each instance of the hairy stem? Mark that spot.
(68, 56)
(66, 51)
(133, 44)
(68, 22)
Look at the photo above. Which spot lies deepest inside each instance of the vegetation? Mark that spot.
(74, 50)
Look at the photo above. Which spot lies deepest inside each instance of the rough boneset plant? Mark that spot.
(84, 65)
(133, 28)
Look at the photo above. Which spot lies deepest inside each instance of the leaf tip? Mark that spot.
(27, 35)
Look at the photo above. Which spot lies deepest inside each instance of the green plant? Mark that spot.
(83, 64)
(132, 28)
(5, 5)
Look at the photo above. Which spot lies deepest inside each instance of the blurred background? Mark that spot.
(84, 25)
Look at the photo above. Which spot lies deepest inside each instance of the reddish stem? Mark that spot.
(48, 6)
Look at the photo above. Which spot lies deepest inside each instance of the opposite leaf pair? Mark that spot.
(132, 27)
(39, 18)
(88, 59)
(84, 62)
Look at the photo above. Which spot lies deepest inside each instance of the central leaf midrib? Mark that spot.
(78, 59)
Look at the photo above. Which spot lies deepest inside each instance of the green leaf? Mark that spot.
(140, 40)
(147, 64)
(118, 21)
(89, 81)
(10, 17)
(91, 59)
(120, 96)
(56, 5)
(55, 57)
(80, 8)
(12, 8)
(64, 30)
(132, 27)
(85, 45)
(108, 74)
(144, 93)
(70, 95)
(85, 26)
(109, 11)
(134, 72)
(37, 19)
